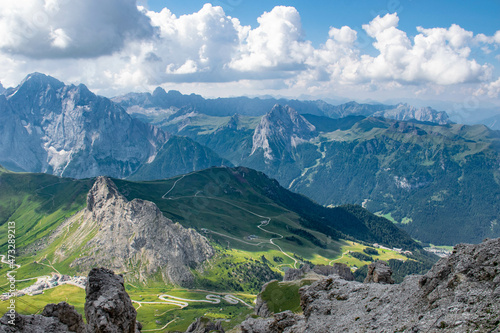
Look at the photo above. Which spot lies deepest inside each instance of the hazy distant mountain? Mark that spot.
(492, 122)
(152, 106)
(408, 112)
(2, 89)
(46, 126)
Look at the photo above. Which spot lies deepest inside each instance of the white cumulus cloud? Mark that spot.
(276, 44)
(116, 46)
(72, 29)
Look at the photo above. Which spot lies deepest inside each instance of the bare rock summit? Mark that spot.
(133, 238)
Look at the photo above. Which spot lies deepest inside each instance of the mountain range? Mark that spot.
(441, 183)
(147, 104)
(46, 126)
(437, 180)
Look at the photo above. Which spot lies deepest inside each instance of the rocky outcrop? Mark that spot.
(460, 293)
(108, 307)
(379, 272)
(132, 237)
(205, 325)
(339, 269)
(67, 315)
(55, 318)
(293, 274)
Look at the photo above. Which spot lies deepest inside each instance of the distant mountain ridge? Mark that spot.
(141, 103)
(46, 126)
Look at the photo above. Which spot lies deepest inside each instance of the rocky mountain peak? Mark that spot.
(125, 235)
(288, 118)
(102, 191)
(159, 92)
(281, 128)
(66, 130)
(404, 111)
(40, 80)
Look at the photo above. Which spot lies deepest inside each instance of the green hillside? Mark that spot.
(239, 209)
(238, 202)
(38, 203)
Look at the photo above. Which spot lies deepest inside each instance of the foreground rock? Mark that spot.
(108, 309)
(459, 294)
(339, 269)
(297, 277)
(55, 318)
(205, 325)
(379, 272)
(132, 236)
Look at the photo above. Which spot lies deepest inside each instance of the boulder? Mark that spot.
(379, 272)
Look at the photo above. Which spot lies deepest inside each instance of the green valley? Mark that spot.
(257, 229)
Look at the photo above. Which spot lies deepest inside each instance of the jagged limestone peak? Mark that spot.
(132, 237)
(104, 189)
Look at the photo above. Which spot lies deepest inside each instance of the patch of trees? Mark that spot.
(370, 251)
(307, 235)
(360, 256)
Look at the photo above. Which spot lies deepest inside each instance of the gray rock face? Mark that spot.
(57, 318)
(67, 315)
(46, 126)
(339, 269)
(293, 274)
(282, 128)
(342, 270)
(205, 325)
(407, 112)
(459, 294)
(379, 272)
(108, 307)
(133, 237)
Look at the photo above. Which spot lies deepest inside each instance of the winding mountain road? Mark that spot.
(262, 222)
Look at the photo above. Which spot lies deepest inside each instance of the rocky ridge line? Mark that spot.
(460, 293)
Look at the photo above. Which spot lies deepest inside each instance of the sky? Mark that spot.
(436, 52)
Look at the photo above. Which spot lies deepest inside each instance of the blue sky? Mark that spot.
(441, 53)
(318, 16)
